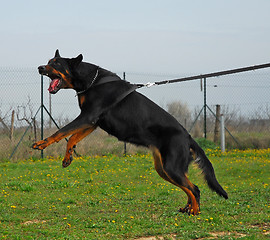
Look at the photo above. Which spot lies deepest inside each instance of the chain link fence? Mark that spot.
(243, 99)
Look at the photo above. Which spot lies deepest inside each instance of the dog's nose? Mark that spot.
(41, 69)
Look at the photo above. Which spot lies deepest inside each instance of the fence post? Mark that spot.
(50, 110)
(12, 126)
(216, 131)
(222, 133)
(125, 144)
(41, 115)
(205, 104)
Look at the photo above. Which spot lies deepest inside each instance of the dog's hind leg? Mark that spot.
(193, 193)
(177, 174)
(73, 140)
(168, 173)
(194, 187)
(159, 165)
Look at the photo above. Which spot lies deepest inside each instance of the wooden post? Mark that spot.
(12, 126)
(216, 131)
(222, 134)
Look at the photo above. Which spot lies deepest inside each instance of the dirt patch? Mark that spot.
(214, 235)
(171, 237)
(146, 238)
(264, 227)
(33, 222)
(217, 235)
(222, 234)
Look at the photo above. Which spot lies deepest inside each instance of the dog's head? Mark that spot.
(60, 71)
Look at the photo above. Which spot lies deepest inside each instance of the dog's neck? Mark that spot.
(101, 76)
(91, 84)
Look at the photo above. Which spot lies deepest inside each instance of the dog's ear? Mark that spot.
(57, 54)
(76, 61)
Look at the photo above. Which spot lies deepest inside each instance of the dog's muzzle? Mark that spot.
(42, 69)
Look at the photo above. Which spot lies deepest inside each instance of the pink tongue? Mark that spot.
(54, 83)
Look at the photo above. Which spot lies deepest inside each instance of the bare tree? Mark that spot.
(25, 113)
(180, 111)
(3, 120)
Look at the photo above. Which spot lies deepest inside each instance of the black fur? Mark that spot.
(114, 105)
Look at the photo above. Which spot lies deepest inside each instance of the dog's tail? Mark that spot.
(207, 169)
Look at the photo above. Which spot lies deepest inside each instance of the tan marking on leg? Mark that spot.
(73, 140)
(194, 208)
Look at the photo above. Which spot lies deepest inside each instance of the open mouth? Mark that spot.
(54, 85)
(56, 80)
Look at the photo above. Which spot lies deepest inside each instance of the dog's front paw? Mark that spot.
(67, 161)
(40, 145)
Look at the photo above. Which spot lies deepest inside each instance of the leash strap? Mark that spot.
(209, 75)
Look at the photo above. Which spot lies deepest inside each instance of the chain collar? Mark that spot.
(95, 78)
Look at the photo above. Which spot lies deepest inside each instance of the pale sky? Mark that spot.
(142, 35)
(172, 38)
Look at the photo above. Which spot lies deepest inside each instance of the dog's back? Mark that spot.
(138, 120)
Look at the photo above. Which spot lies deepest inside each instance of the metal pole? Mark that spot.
(205, 107)
(125, 144)
(42, 120)
(222, 133)
(50, 109)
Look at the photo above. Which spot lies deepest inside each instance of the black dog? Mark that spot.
(112, 104)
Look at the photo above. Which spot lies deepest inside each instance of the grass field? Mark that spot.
(124, 198)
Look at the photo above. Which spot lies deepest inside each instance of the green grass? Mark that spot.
(124, 198)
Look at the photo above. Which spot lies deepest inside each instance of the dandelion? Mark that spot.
(14, 207)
